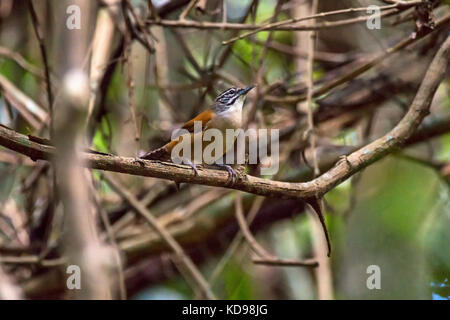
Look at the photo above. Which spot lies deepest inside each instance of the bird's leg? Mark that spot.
(191, 164)
(343, 159)
(139, 160)
(233, 175)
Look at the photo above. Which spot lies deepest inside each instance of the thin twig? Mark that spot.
(244, 26)
(224, 11)
(20, 60)
(163, 233)
(145, 247)
(310, 130)
(274, 25)
(40, 38)
(236, 242)
(316, 187)
(323, 274)
(110, 233)
(130, 85)
(276, 262)
(201, 6)
(128, 7)
(30, 110)
(309, 94)
(186, 10)
(260, 73)
(321, 56)
(264, 256)
(442, 23)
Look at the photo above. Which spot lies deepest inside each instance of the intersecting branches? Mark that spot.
(133, 237)
(264, 257)
(40, 38)
(326, 87)
(318, 186)
(155, 224)
(244, 26)
(274, 25)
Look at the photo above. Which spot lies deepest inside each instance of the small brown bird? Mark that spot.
(226, 113)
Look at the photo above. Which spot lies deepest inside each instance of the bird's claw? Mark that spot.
(193, 166)
(233, 175)
(139, 160)
(344, 159)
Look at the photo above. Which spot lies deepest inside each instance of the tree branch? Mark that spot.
(264, 256)
(272, 25)
(319, 186)
(365, 66)
(245, 26)
(209, 229)
(165, 235)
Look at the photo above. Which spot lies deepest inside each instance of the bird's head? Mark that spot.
(231, 98)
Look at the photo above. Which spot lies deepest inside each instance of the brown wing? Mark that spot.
(163, 153)
(204, 117)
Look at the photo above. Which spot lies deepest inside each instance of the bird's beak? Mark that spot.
(246, 90)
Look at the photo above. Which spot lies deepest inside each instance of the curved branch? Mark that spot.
(165, 235)
(209, 233)
(264, 256)
(319, 186)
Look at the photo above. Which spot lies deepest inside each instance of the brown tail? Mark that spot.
(157, 154)
(161, 154)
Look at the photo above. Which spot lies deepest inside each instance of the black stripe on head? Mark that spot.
(233, 99)
(228, 96)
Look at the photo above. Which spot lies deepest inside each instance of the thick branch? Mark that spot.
(340, 172)
(209, 233)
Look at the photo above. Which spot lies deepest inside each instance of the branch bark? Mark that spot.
(319, 186)
(245, 26)
(210, 231)
(164, 234)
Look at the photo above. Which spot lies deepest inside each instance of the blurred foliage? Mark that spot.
(388, 228)
(395, 214)
(238, 283)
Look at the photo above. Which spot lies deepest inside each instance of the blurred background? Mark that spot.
(147, 76)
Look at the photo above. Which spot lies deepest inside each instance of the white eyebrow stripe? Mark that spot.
(233, 100)
(226, 93)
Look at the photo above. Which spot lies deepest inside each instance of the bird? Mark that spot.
(225, 113)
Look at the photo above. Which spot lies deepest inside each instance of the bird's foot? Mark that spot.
(344, 159)
(139, 160)
(233, 175)
(192, 165)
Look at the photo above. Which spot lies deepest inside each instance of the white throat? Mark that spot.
(233, 114)
(236, 106)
